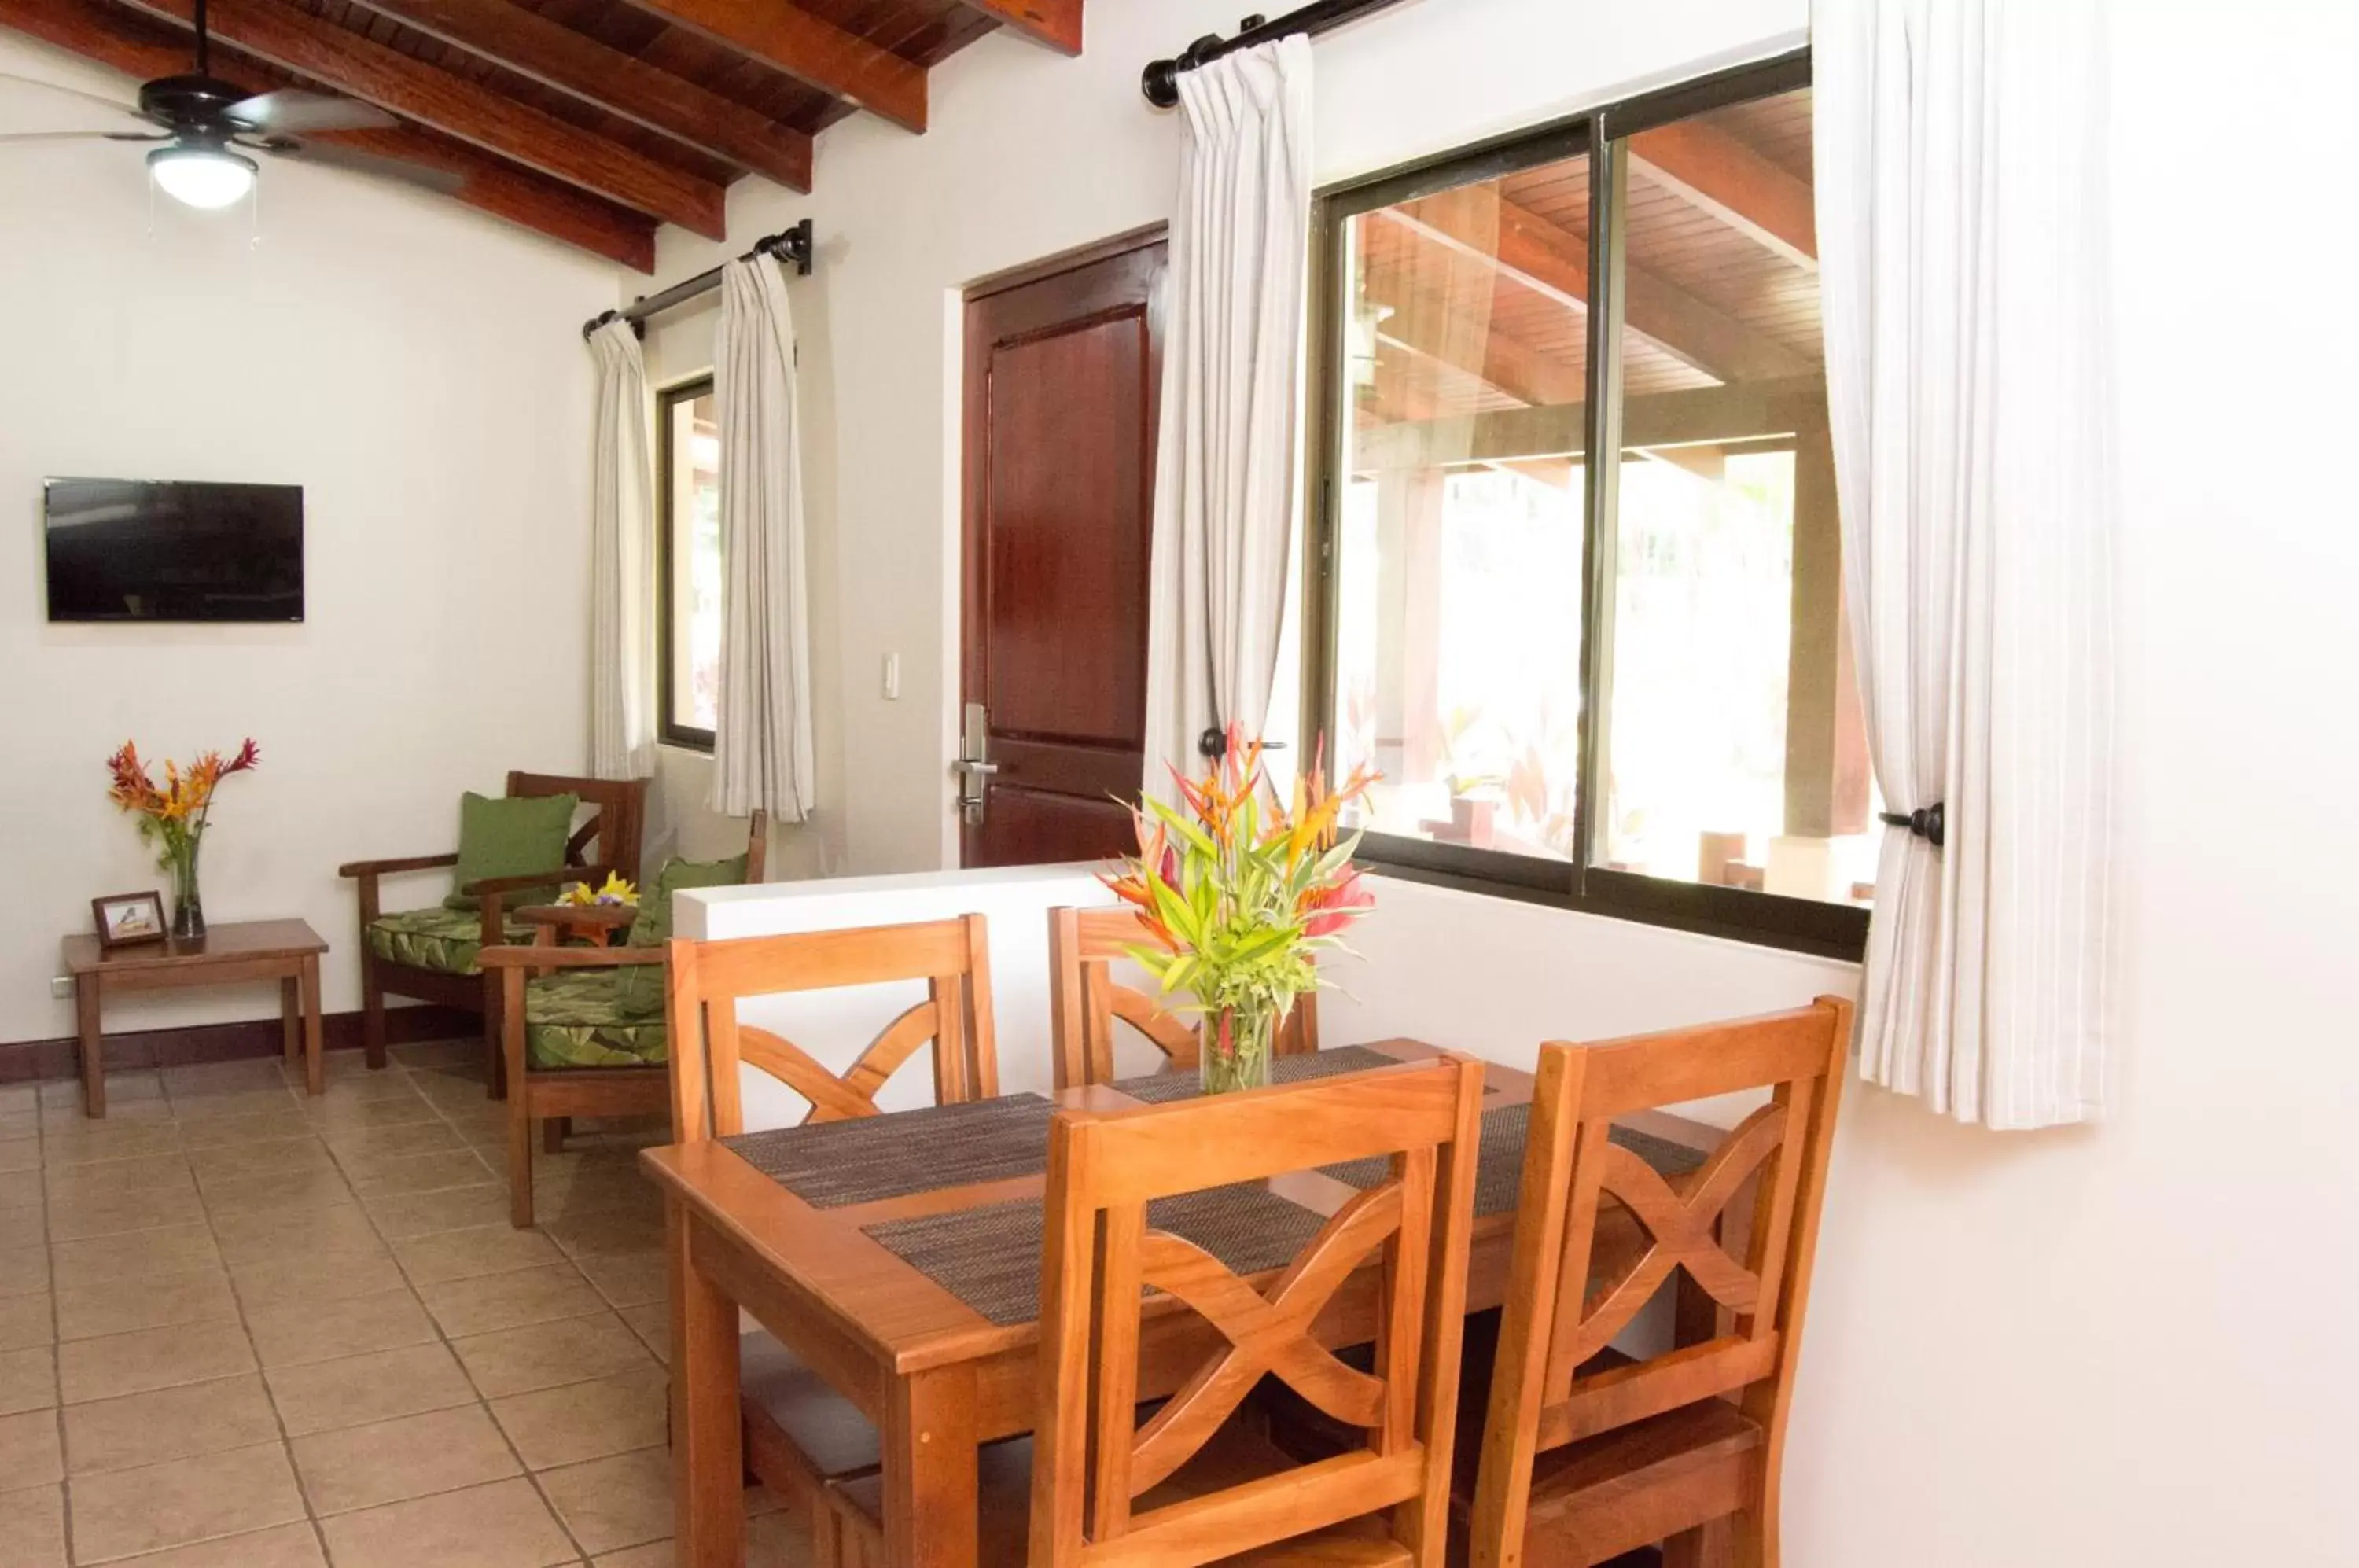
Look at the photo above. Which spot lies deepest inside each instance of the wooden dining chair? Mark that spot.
(1191, 1484)
(1085, 1000)
(1587, 1454)
(799, 1433)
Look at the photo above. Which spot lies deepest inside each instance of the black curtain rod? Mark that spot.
(1161, 79)
(788, 244)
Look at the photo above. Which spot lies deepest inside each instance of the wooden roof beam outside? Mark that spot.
(1529, 250)
(554, 55)
(1699, 416)
(353, 64)
(99, 31)
(1057, 23)
(788, 39)
(1474, 342)
(1716, 173)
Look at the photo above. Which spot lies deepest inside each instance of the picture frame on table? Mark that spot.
(129, 919)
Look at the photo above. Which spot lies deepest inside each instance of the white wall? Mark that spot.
(1029, 155)
(2125, 1343)
(415, 368)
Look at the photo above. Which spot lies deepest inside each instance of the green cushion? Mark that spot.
(447, 940)
(511, 836)
(578, 1018)
(643, 986)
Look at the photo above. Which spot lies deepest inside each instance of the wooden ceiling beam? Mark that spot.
(554, 55)
(352, 64)
(1527, 249)
(1716, 173)
(102, 32)
(787, 38)
(1057, 23)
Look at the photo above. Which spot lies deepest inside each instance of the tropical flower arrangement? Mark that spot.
(174, 818)
(615, 891)
(1239, 893)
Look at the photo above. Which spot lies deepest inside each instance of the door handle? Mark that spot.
(972, 765)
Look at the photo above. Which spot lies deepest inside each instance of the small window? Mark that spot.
(688, 483)
(1457, 575)
(1734, 754)
(1621, 684)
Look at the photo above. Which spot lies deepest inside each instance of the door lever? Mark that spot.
(972, 766)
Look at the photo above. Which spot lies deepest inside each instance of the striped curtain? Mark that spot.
(761, 753)
(1224, 468)
(1962, 223)
(622, 564)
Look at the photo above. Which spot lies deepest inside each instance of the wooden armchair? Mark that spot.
(1184, 1483)
(798, 1433)
(433, 954)
(1085, 1000)
(573, 1041)
(1587, 1454)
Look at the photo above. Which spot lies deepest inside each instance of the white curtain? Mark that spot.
(762, 744)
(622, 564)
(1224, 481)
(1960, 214)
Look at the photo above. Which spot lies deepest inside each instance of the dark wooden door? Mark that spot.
(1063, 372)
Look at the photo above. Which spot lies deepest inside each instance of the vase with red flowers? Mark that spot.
(1240, 891)
(174, 816)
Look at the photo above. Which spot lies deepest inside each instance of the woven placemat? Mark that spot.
(1187, 1083)
(1499, 1167)
(836, 1163)
(990, 1257)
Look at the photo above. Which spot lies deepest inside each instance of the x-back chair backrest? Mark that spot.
(708, 979)
(1102, 1247)
(614, 824)
(1554, 1323)
(1085, 999)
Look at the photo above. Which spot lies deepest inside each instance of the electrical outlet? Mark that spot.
(62, 987)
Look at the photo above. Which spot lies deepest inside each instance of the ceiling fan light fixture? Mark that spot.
(205, 177)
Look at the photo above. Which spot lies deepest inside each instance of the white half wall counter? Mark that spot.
(1490, 976)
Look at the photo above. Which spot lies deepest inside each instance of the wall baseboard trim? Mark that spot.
(38, 1061)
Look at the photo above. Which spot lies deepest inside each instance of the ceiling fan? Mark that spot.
(203, 122)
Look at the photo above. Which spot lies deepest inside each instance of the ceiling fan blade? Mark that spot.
(291, 112)
(83, 135)
(328, 155)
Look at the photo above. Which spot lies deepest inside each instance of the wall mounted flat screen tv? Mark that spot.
(130, 549)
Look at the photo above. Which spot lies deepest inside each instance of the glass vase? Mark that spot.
(187, 902)
(1236, 1049)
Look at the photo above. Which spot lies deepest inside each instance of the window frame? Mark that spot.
(1769, 920)
(687, 737)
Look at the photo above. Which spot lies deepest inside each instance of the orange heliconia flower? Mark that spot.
(187, 793)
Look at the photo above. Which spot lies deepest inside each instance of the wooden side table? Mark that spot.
(285, 951)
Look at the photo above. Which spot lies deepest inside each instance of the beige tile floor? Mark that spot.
(240, 1328)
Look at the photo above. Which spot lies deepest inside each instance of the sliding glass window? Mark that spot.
(687, 505)
(1624, 685)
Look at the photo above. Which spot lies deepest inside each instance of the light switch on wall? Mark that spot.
(892, 677)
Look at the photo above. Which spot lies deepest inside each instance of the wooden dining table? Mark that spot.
(938, 1378)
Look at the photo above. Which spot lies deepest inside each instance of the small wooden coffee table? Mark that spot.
(285, 951)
